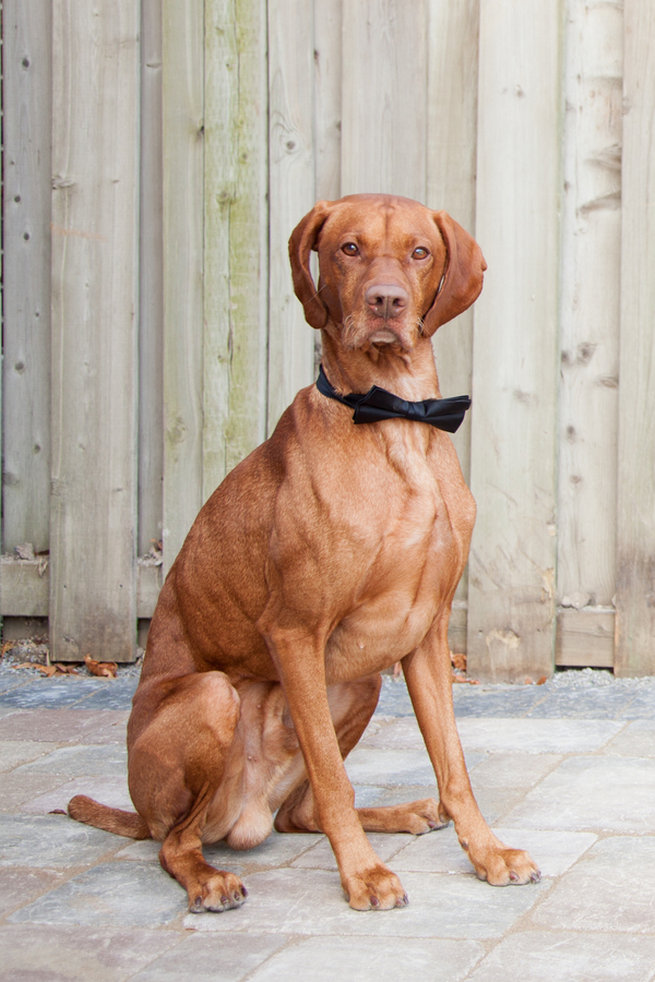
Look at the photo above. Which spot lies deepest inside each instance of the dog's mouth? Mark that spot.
(384, 336)
(358, 332)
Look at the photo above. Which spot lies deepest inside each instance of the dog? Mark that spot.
(329, 554)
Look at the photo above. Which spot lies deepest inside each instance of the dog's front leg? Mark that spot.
(429, 679)
(368, 884)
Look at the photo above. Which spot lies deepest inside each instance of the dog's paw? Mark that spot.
(501, 867)
(415, 817)
(220, 891)
(424, 816)
(376, 888)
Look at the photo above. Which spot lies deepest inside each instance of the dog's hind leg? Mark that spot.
(352, 705)
(186, 777)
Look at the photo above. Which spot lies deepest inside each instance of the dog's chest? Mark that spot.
(416, 552)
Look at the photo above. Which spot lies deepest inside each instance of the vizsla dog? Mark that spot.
(330, 553)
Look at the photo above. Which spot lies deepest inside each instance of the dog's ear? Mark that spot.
(461, 282)
(303, 239)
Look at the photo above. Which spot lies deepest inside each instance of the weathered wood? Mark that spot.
(151, 312)
(585, 638)
(512, 567)
(183, 185)
(236, 235)
(94, 341)
(291, 180)
(384, 97)
(635, 600)
(328, 97)
(452, 67)
(25, 587)
(26, 272)
(451, 167)
(590, 301)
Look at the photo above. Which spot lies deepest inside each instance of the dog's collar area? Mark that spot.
(377, 404)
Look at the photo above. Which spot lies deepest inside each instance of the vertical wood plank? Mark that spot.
(590, 303)
(635, 616)
(384, 97)
(26, 273)
(512, 565)
(451, 168)
(183, 183)
(291, 175)
(151, 313)
(235, 236)
(327, 100)
(94, 297)
(450, 178)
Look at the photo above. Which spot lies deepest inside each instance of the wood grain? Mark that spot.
(512, 567)
(635, 618)
(94, 331)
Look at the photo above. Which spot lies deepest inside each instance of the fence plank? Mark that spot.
(450, 184)
(94, 264)
(451, 168)
(291, 174)
(151, 313)
(236, 235)
(590, 302)
(183, 184)
(635, 616)
(384, 97)
(327, 87)
(26, 273)
(512, 566)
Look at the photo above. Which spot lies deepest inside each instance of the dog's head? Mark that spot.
(390, 269)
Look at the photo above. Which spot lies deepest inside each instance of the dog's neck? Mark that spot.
(412, 375)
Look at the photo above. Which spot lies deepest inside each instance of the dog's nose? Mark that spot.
(386, 299)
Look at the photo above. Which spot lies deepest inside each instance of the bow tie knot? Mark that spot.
(377, 404)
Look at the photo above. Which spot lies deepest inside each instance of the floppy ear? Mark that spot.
(303, 240)
(462, 277)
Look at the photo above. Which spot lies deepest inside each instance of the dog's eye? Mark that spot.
(420, 253)
(350, 249)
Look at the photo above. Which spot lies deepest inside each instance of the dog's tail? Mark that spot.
(91, 812)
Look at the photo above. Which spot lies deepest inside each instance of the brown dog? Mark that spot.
(328, 554)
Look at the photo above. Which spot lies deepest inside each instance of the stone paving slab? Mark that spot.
(606, 793)
(614, 879)
(307, 902)
(365, 959)
(568, 956)
(62, 953)
(566, 770)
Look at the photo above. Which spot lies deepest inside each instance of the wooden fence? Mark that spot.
(156, 155)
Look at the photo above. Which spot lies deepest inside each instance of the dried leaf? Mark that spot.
(65, 669)
(7, 646)
(48, 670)
(104, 669)
(542, 680)
(463, 679)
(459, 661)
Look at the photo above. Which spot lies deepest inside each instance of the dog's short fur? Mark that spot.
(327, 555)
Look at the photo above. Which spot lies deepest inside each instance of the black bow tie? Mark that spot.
(377, 403)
